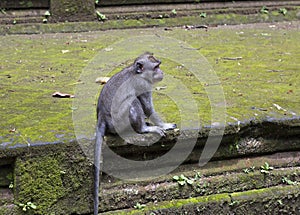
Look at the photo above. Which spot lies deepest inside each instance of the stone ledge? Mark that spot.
(274, 200)
(215, 178)
(222, 175)
(122, 17)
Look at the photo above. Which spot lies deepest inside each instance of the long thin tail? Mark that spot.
(97, 158)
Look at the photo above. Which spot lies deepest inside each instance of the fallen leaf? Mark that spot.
(278, 107)
(108, 49)
(12, 130)
(160, 88)
(189, 27)
(102, 80)
(62, 95)
(65, 51)
(231, 58)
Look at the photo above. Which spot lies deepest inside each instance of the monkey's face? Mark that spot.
(147, 66)
(157, 74)
(152, 73)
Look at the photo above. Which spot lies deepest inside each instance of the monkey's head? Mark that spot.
(147, 66)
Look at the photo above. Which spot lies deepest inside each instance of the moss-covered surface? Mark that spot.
(67, 10)
(218, 177)
(273, 200)
(57, 182)
(257, 67)
(35, 66)
(145, 16)
(213, 18)
(40, 181)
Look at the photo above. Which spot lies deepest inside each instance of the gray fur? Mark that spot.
(123, 104)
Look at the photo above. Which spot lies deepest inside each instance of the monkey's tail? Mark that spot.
(97, 158)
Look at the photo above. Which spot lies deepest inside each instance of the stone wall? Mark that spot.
(67, 10)
(84, 10)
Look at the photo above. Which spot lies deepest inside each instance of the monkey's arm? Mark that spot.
(148, 108)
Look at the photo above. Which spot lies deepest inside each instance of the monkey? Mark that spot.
(124, 103)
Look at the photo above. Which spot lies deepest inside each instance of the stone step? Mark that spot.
(124, 11)
(273, 200)
(234, 177)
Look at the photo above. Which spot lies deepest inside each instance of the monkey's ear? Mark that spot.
(139, 67)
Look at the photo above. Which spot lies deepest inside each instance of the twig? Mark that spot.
(231, 58)
(189, 27)
(279, 108)
(62, 95)
(191, 48)
(274, 70)
(201, 26)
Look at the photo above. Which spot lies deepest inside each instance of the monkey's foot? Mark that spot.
(169, 126)
(154, 129)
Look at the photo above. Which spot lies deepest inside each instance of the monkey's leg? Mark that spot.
(137, 120)
(148, 108)
(157, 121)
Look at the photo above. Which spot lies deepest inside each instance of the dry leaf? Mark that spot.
(108, 49)
(102, 80)
(160, 88)
(12, 130)
(62, 95)
(278, 107)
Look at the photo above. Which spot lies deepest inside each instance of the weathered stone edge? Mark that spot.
(238, 202)
(213, 19)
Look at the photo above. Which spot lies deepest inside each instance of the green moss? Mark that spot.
(31, 72)
(266, 194)
(34, 67)
(177, 204)
(8, 210)
(262, 199)
(54, 182)
(215, 18)
(40, 181)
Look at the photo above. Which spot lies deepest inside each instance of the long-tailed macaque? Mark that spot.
(124, 103)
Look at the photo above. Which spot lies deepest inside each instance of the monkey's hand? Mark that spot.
(154, 129)
(169, 126)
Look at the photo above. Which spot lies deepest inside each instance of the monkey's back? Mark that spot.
(109, 91)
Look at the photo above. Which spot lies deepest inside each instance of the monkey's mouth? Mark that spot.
(155, 80)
